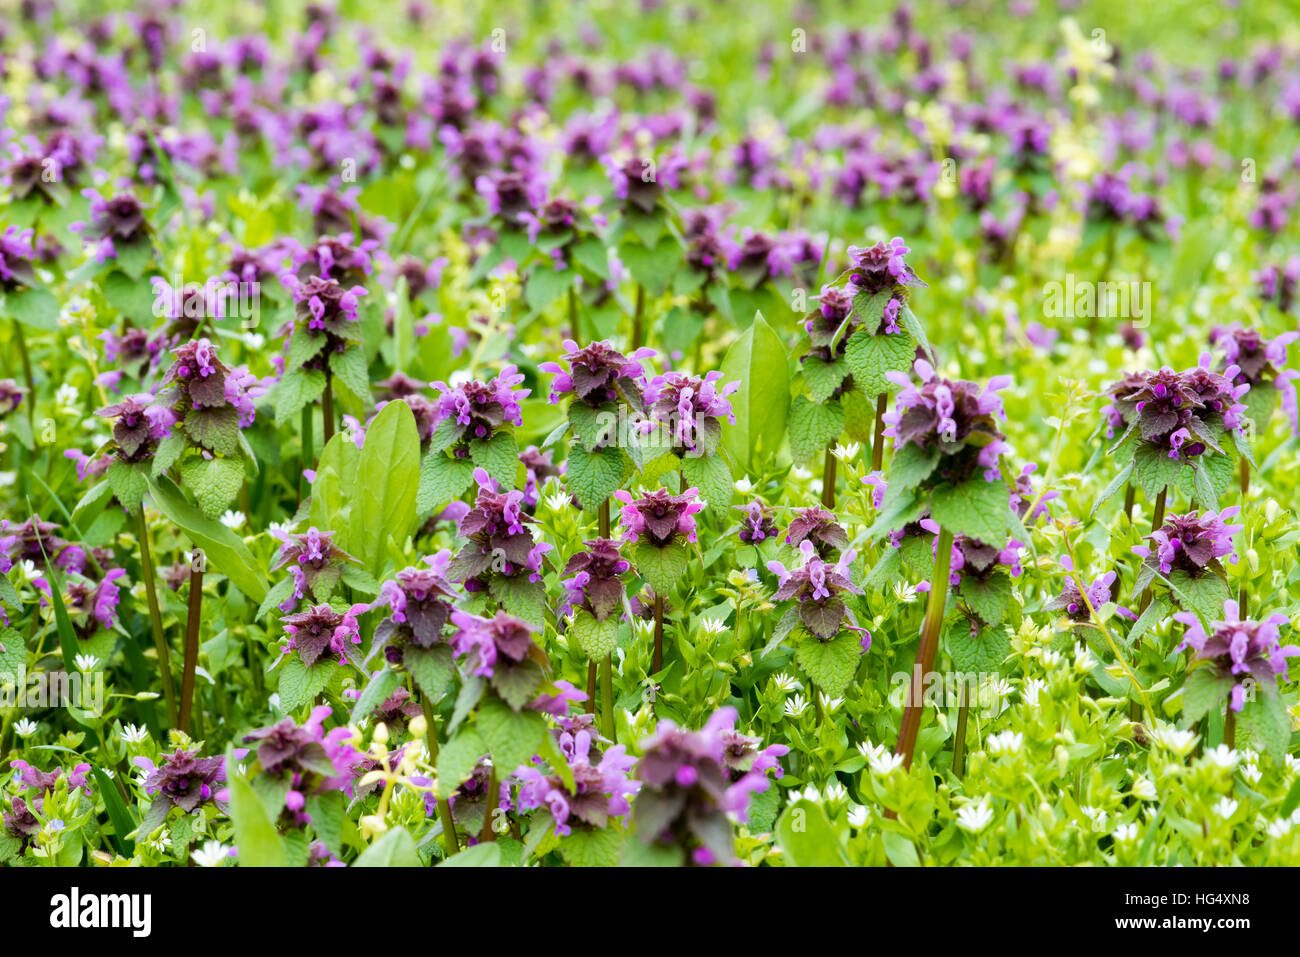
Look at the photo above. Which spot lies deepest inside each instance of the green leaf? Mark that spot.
(1263, 720)
(594, 427)
(598, 847)
(215, 483)
(487, 854)
(662, 568)
(168, 451)
(594, 476)
(545, 285)
(979, 653)
(216, 429)
(1117, 483)
(1155, 470)
(442, 480)
(989, 598)
(498, 456)
(226, 551)
(512, 737)
(299, 685)
(255, 835)
(912, 465)
(37, 308)
(807, 839)
(1205, 690)
(376, 692)
(822, 377)
(129, 482)
(871, 356)
(395, 849)
(431, 668)
(596, 638)
(813, 427)
(1204, 595)
(975, 508)
(830, 664)
(333, 491)
(388, 477)
(711, 476)
(458, 758)
(758, 360)
(653, 267)
(349, 367)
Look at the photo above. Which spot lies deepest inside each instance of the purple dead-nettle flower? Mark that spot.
(973, 560)
(1260, 363)
(133, 350)
(879, 486)
(659, 517)
(595, 581)
(832, 324)
(183, 780)
(757, 525)
(43, 782)
(538, 467)
(313, 760)
(601, 788)
(1177, 413)
(1076, 599)
(93, 605)
(325, 316)
(34, 541)
(139, 424)
(599, 374)
(690, 789)
(953, 416)
(469, 801)
(639, 182)
(688, 409)
(1023, 498)
(879, 270)
(477, 410)
(503, 650)
(420, 602)
(817, 525)
(1279, 284)
(510, 194)
(315, 563)
(1192, 543)
(1219, 394)
(16, 259)
(11, 396)
(117, 224)
(335, 257)
(420, 277)
(321, 630)
(500, 542)
(1248, 652)
(1120, 412)
(21, 823)
(209, 399)
(817, 589)
(744, 755)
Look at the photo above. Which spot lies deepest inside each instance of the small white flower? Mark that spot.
(284, 527)
(1032, 689)
(1177, 740)
(211, 854)
(1225, 808)
(976, 816)
(254, 340)
(1006, 742)
(1084, 662)
(1144, 789)
(744, 485)
(859, 816)
(1126, 833)
(829, 704)
(86, 663)
(904, 593)
(713, 626)
(67, 398)
(846, 453)
(1279, 828)
(25, 727)
(1222, 757)
(801, 473)
(836, 794)
(785, 682)
(795, 706)
(134, 734)
(558, 502)
(1097, 815)
(1252, 773)
(884, 763)
(233, 520)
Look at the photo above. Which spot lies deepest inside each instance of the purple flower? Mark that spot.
(139, 425)
(659, 516)
(816, 588)
(313, 761)
(599, 374)
(321, 630)
(1075, 601)
(89, 601)
(314, 561)
(689, 408)
(817, 525)
(16, 259)
(595, 580)
(500, 542)
(420, 602)
(11, 396)
(882, 268)
(477, 410)
(757, 525)
(325, 314)
(1192, 543)
(501, 649)
(1248, 652)
(692, 781)
(600, 787)
(117, 222)
(183, 779)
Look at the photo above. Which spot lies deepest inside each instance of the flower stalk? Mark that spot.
(191, 642)
(155, 616)
(925, 652)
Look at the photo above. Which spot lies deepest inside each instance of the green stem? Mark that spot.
(959, 741)
(327, 409)
(828, 479)
(1230, 728)
(450, 845)
(308, 450)
(926, 650)
(607, 697)
(191, 645)
(637, 317)
(1245, 491)
(657, 661)
(155, 615)
(488, 833)
(28, 375)
(1157, 520)
(878, 440)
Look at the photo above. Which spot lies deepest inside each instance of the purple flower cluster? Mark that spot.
(420, 602)
(315, 564)
(955, 417)
(16, 254)
(599, 374)
(879, 269)
(313, 760)
(476, 410)
(815, 524)
(600, 791)
(693, 780)
(325, 320)
(689, 408)
(1248, 652)
(500, 542)
(816, 588)
(757, 525)
(596, 579)
(1192, 543)
(139, 424)
(659, 516)
(1178, 413)
(321, 630)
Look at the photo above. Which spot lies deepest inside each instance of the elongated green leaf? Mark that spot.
(225, 550)
(758, 359)
(255, 836)
(388, 477)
